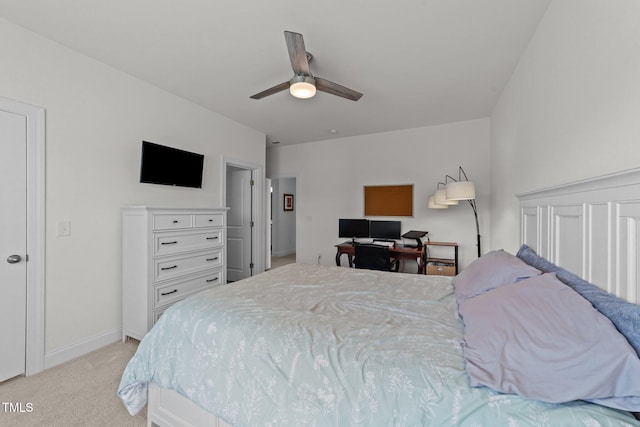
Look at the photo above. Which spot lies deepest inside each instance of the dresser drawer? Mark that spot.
(172, 221)
(158, 313)
(209, 220)
(167, 268)
(176, 242)
(172, 292)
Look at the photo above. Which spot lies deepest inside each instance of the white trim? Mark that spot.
(283, 253)
(81, 348)
(299, 203)
(612, 180)
(268, 222)
(35, 329)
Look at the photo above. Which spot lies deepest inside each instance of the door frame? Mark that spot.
(36, 219)
(258, 206)
(299, 202)
(268, 220)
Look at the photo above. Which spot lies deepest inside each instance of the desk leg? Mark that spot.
(420, 265)
(349, 257)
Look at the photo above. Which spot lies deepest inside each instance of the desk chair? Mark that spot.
(374, 257)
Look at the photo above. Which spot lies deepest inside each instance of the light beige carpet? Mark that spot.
(81, 392)
(279, 261)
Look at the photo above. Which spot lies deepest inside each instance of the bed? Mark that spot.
(311, 345)
(307, 345)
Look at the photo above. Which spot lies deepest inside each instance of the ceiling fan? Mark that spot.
(304, 84)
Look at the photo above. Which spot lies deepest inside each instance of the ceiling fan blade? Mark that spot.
(297, 53)
(336, 89)
(271, 91)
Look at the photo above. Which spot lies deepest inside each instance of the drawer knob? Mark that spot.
(175, 221)
(212, 238)
(212, 259)
(169, 243)
(212, 280)
(169, 268)
(169, 293)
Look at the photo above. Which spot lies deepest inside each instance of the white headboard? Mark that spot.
(589, 227)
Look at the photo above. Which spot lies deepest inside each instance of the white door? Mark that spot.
(13, 243)
(239, 224)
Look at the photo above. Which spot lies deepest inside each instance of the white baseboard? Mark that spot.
(284, 252)
(79, 349)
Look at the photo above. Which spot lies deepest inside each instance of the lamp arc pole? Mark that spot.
(469, 198)
(475, 214)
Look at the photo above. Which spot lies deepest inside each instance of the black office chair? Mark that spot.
(374, 257)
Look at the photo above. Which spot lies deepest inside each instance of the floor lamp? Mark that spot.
(453, 192)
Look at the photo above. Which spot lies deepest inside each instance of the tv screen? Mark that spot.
(170, 166)
(385, 229)
(353, 228)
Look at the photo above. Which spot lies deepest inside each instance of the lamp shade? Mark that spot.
(433, 205)
(441, 198)
(461, 190)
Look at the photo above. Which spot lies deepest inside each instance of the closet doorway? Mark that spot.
(243, 195)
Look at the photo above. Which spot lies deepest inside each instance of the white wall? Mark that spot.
(96, 120)
(331, 176)
(570, 110)
(284, 222)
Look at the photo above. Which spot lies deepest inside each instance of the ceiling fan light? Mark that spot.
(302, 87)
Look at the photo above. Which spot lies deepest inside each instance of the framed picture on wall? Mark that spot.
(288, 202)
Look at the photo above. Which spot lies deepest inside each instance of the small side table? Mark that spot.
(440, 266)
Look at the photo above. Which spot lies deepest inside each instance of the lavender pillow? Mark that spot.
(540, 339)
(624, 315)
(495, 269)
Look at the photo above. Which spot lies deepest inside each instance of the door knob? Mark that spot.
(13, 259)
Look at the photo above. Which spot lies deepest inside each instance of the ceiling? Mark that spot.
(418, 62)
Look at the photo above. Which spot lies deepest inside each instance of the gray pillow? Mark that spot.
(496, 268)
(623, 314)
(541, 340)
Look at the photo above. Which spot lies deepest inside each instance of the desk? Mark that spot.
(397, 252)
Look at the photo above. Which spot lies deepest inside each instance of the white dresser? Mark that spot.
(167, 255)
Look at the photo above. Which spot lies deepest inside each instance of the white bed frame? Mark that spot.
(167, 408)
(588, 227)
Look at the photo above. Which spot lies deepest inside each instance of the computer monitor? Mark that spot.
(385, 230)
(353, 228)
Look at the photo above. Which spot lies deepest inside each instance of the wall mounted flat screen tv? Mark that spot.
(385, 229)
(170, 166)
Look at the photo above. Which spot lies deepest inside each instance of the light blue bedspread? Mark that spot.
(306, 345)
